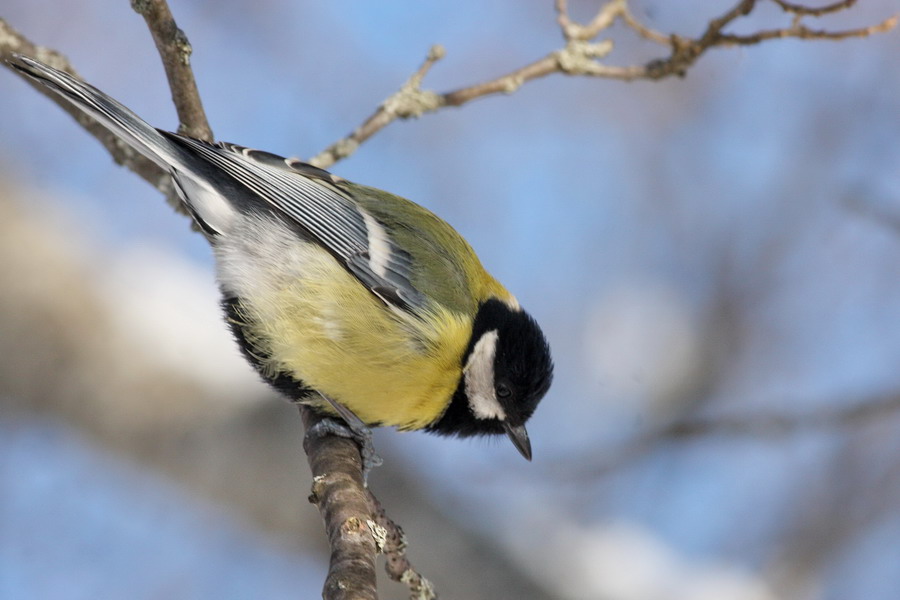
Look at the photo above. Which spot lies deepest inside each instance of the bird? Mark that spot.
(360, 304)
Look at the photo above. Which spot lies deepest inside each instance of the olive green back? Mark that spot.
(445, 267)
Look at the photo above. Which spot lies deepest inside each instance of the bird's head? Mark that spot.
(506, 370)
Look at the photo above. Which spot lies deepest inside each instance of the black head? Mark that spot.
(507, 369)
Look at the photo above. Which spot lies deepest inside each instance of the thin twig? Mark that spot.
(605, 17)
(582, 57)
(507, 84)
(175, 51)
(397, 563)
(686, 51)
(804, 33)
(408, 102)
(642, 30)
(799, 9)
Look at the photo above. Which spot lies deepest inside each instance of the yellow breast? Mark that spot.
(326, 329)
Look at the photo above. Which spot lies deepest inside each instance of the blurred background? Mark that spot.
(715, 260)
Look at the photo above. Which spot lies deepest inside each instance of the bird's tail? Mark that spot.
(212, 211)
(123, 123)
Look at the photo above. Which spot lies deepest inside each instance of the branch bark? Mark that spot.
(175, 51)
(356, 523)
(397, 564)
(581, 57)
(347, 509)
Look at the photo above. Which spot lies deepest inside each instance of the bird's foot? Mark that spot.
(352, 428)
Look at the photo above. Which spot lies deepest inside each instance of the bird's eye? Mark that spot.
(503, 390)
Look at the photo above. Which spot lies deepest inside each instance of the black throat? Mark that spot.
(458, 419)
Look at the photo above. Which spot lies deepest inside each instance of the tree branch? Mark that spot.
(175, 51)
(346, 507)
(760, 426)
(397, 565)
(409, 101)
(356, 523)
(581, 57)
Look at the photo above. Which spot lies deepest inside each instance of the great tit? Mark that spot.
(342, 296)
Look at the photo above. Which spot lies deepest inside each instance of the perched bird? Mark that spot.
(345, 298)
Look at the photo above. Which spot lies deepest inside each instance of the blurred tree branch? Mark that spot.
(582, 56)
(758, 426)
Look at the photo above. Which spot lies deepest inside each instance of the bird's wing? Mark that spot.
(300, 193)
(311, 198)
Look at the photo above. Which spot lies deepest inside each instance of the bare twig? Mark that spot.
(409, 101)
(581, 56)
(802, 32)
(642, 30)
(397, 564)
(604, 18)
(175, 51)
(799, 9)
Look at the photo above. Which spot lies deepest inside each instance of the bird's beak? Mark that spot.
(519, 437)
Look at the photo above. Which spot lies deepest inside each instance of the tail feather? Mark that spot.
(108, 112)
(210, 208)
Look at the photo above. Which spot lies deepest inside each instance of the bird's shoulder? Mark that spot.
(444, 265)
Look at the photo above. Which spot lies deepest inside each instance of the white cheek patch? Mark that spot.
(479, 378)
(379, 247)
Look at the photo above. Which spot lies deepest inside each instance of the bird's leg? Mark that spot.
(352, 428)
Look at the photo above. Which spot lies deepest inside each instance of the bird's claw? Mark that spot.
(349, 426)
